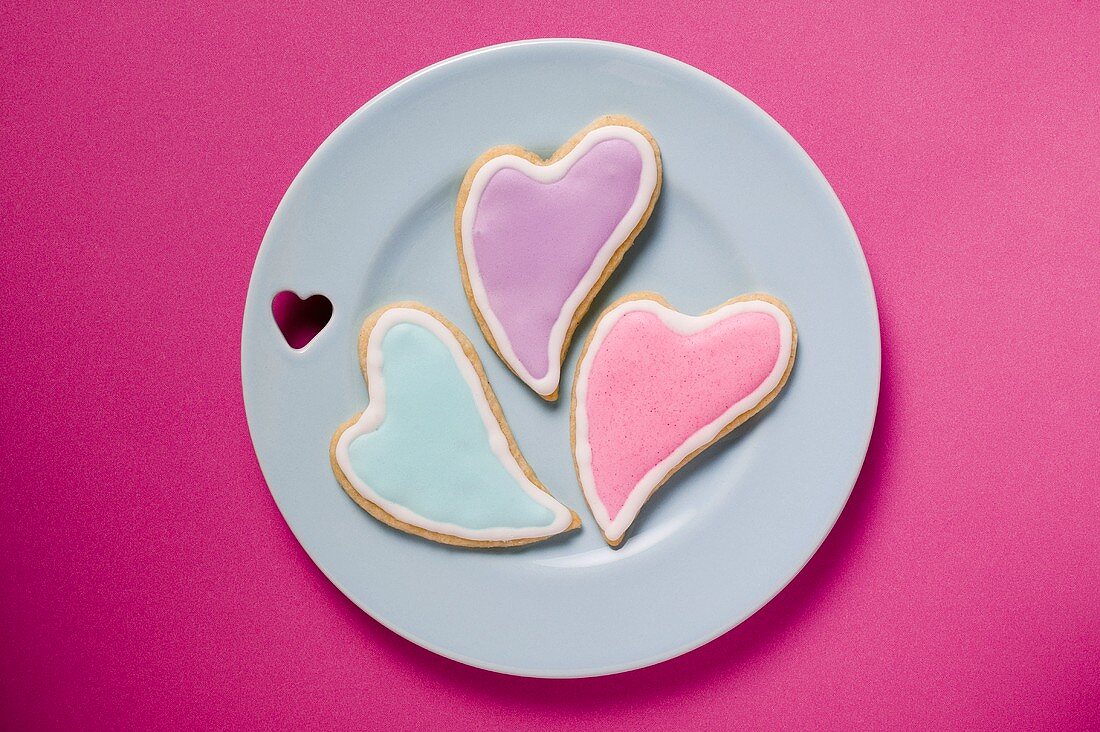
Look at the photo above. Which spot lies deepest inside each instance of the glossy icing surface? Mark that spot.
(536, 239)
(428, 449)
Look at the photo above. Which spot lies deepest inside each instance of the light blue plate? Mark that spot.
(369, 220)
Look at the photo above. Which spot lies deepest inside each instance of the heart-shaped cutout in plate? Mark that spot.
(300, 320)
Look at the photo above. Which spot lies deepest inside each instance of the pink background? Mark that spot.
(148, 579)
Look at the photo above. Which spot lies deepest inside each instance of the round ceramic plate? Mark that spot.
(369, 220)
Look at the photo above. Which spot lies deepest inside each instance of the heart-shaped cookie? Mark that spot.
(538, 238)
(655, 387)
(432, 455)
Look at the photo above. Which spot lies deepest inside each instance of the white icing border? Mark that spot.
(375, 413)
(684, 325)
(547, 384)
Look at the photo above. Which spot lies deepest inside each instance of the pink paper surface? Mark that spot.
(148, 579)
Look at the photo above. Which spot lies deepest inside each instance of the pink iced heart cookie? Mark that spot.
(655, 387)
(538, 238)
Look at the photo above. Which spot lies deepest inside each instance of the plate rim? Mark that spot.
(811, 167)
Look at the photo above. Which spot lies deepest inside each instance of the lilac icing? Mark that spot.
(535, 241)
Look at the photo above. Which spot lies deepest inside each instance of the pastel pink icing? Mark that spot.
(650, 389)
(535, 241)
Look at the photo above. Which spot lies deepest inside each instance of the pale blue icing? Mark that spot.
(431, 454)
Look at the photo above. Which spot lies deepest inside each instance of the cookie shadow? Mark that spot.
(699, 463)
(702, 461)
(397, 535)
(641, 245)
(605, 296)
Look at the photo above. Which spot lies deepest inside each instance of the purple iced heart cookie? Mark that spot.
(538, 238)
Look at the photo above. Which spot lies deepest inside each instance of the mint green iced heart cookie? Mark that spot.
(431, 454)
